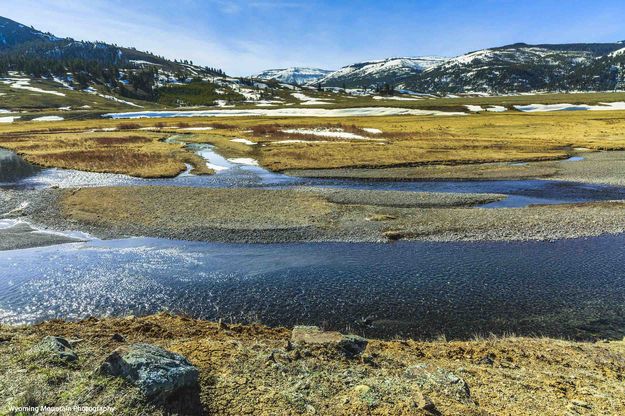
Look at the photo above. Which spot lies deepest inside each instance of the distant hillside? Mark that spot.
(122, 70)
(513, 68)
(524, 68)
(367, 74)
(13, 33)
(295, 75)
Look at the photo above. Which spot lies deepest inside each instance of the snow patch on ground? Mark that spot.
(372, 130)
(222, 103)
(324, 132)
(301, 141)
(244, 141)
(104, 129)
(198, 128)
(532, 108)
(8, 119)
(244, 161)
(492, 108)
(48, 118)
(378, 97)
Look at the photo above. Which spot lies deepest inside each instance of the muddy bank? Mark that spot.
(271, 216)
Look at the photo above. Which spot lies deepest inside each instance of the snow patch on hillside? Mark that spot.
(306, 100)
(24, 84)
(287, 112)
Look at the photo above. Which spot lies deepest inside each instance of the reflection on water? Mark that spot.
(571, 288)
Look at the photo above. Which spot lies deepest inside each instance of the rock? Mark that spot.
(118, 338)
(157, 372)
(424, 403)
(56, 347)
(487, 360)
(434, 379)
(350, 345)
(394, 235)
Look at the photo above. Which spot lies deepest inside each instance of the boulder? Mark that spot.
(56, 347)
(157, 372)
(350, 345)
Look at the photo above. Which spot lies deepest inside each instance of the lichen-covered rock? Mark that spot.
(56, 347)
(157, 372)
(350, 345)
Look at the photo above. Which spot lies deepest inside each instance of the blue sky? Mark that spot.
(246, 36)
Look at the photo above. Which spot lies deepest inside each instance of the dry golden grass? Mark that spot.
(409, 140)
(138, 154)
(250, 370)
(451, 140)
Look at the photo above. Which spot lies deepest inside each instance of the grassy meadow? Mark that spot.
(511, 136)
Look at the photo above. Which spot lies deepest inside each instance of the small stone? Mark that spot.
(350, 345)
(157, 372)
(486, 360)
(56, 347)
(394, 235)
(423, 402)
(118, 338)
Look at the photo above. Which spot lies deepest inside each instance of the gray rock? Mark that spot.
(435, 379)
(157, 372)
(56, 347)
(350, 345)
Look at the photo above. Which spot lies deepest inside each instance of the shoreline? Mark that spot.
(305, 215)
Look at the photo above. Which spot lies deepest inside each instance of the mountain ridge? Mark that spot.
(293, 75)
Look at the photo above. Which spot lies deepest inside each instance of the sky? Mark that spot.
(244, 37)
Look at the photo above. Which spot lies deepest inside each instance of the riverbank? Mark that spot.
(305, 214)
(604, 168)
(258, 370)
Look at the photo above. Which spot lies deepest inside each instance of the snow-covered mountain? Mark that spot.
(295, 75)
(512, 68)
(391, 70)
(521, 67)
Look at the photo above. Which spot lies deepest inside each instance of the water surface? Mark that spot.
(569, 288)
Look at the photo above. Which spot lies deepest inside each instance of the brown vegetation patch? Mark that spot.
(128, 126)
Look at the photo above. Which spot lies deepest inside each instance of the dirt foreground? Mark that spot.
(256, 370)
